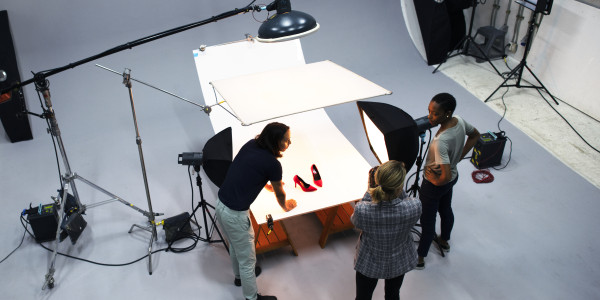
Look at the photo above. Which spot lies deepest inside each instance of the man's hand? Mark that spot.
(290, 204)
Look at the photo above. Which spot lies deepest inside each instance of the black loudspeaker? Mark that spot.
(16, 124)
(44, 222)
(488, 150)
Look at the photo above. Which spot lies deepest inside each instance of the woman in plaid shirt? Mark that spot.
(385, 216)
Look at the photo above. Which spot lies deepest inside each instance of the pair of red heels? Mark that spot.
(307, 187)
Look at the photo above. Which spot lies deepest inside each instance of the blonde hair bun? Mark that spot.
(390, 180)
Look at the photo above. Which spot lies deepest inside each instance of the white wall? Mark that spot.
(565, 54)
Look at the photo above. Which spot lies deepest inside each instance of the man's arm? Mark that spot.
(287, 205)
(470, 143)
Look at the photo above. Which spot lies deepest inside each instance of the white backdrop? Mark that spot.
(315, 139)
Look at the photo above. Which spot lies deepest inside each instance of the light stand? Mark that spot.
(465, 44)
(68, 179)
(216, 157)
(414, 189)
(196, 163)
(204, 205)
(518, 70)
(151, 227)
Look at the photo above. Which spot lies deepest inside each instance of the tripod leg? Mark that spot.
(503, 84)
(450, 55)
(49, 282)
(213, 220)
(150, 251)
(541, 84)
(485, 56)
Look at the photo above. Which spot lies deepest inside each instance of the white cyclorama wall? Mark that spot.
(565, 51)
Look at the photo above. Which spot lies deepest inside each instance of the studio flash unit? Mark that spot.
(190, 159)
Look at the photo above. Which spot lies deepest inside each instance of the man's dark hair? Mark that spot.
(446, 101)
(270, 137)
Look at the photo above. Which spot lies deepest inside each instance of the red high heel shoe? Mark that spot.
(316, 176)
(303, 185)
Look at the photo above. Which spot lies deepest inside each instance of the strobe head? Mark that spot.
(190, 159)
(423, 124)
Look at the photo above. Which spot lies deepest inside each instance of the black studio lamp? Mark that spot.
(391, 132)
(216, 157)
(287, 24)
(394, 135)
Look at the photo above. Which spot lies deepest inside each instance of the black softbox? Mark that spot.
(217, 156)
(398, 128)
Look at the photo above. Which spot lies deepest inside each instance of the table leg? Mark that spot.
(331, 214)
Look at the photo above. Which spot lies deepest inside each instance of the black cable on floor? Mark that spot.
(500, 129)
(557, 112)
(21, 243)
(23, 222)
(565, 119)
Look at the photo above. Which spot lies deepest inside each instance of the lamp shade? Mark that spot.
(217, 156)
(287, 26)
(391, 132)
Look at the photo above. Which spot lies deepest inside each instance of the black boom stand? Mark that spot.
(463, 47)
(517, 72)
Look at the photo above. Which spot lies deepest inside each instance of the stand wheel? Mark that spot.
(49, 283)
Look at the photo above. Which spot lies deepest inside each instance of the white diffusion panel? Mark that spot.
(292, 90)
(235, 59)
(315, 139)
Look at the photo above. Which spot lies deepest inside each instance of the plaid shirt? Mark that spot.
(385, 247)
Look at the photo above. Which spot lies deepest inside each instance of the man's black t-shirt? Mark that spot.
(249, 172)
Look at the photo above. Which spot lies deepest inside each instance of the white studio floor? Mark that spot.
(528, 235)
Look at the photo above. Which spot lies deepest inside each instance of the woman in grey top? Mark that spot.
(455, 138)
(385, 216)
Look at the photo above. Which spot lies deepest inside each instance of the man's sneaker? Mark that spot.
(420, 264)
(238, 282)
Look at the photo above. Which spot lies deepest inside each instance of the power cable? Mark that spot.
(25, 222)
(556, 111)
(21, 243)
